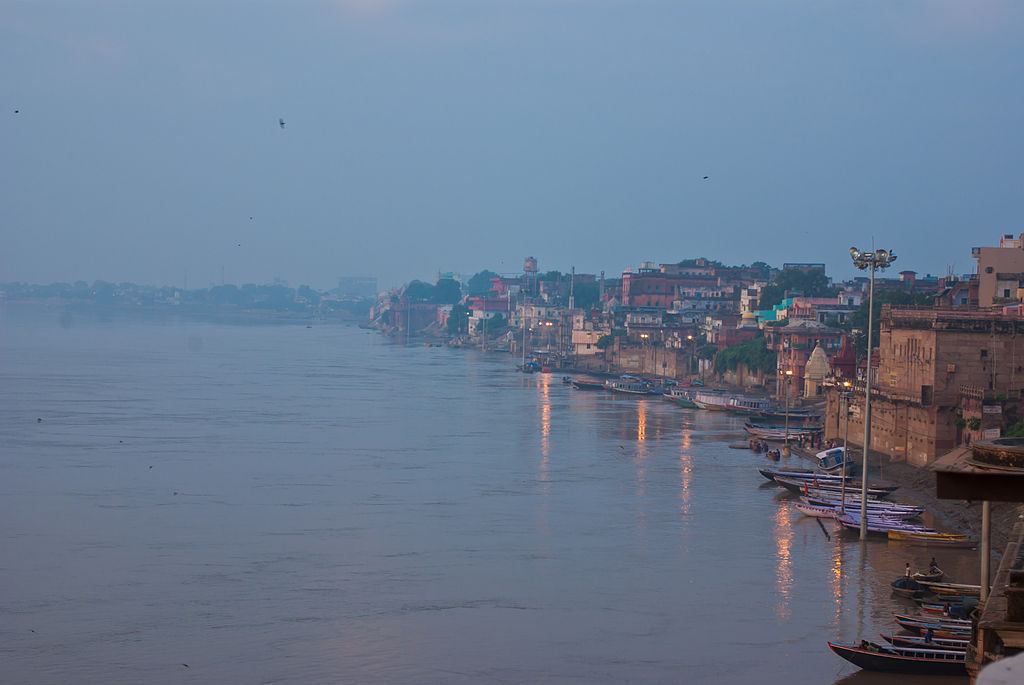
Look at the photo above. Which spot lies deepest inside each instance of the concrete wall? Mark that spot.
(653, 362)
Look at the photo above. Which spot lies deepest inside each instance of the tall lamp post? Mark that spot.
(844, 398)
(879, 259)
(785, 447)
(693, 343)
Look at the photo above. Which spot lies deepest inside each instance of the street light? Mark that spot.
(692, 344)
(879, 259)
(789, 377)
(844, 396)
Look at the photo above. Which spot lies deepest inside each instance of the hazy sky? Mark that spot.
(428, 134)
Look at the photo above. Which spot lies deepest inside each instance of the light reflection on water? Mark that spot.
(784, 569)
(328, 507)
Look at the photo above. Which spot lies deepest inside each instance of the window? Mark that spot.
(984, 353)
(1006, 292)
(926, 395)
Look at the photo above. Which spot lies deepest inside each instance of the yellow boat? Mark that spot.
(930, 538)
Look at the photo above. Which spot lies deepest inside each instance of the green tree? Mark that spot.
(550, 276)
(480, 283)
(447, 291)
(754, 354)
(807, 283)
(1015, 431)
(418, 291)
(458, 320)
(227, 294)
(693, 262)
(496, 322)
(605, 341)
(312, 296)
(586, 294)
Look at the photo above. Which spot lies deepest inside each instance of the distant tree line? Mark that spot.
(276, 297)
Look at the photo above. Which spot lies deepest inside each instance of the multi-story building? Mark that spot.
(933, 364)
(1000, 271)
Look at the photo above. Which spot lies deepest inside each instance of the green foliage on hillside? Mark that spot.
(807, 283)
(585, 294)
(753, 354)
(480, 283)
(693, 262)
(447, 291)
(458, 320)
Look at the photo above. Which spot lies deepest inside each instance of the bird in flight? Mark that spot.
(281, 122)
(705, 178)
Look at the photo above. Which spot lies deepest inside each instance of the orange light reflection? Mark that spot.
(784, 554)
(545, 415)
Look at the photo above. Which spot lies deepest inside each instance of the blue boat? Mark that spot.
(831, 461)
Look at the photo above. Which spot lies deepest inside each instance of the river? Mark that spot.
(202, 502)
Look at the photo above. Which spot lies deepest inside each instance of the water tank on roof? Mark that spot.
(530, 265)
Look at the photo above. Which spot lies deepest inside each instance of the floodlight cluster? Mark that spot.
(879, 259)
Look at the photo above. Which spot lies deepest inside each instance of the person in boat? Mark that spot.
(928, 635)
(906, 573)
(933, 567)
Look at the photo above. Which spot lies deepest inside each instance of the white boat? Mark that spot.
(737, 404)
(741, 404)
(709, 399)
(814, 508)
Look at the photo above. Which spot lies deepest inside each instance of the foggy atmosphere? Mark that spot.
(390, 341)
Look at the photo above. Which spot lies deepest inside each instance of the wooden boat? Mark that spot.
(711, 400)
(745, 406)
(796, 474)
(875, 525)
(797, 417)
(581, 384)
(961, 608)
(814, 510)
(831, 461)
(878, 507)
(779, 432)
(932, 537)
(907, 587)
(921, 641)
(629, 385)
(801, 486)
(925, 576)
(916, 660)
(832, 510)
(952, 588)
(681, 396)
(946, 623)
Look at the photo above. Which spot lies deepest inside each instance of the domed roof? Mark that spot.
(747, 320)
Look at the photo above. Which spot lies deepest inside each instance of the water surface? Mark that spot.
(273, 504)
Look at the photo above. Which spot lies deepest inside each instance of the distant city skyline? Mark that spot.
(306, 141)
